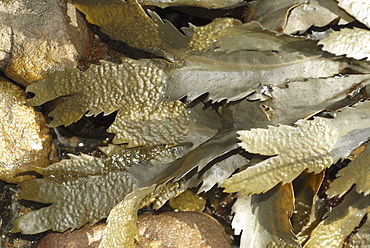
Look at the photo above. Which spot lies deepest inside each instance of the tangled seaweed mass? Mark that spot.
(262, 106)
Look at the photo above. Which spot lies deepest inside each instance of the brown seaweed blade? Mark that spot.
(273, 15)
(264, 218)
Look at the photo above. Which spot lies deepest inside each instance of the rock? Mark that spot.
(40, 37)
(85, 237)
(168, 229)
(5, 44)
(181, 229)
(24, 136)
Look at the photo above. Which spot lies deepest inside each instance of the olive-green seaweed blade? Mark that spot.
(122, 220)
(121, 230)
(357, 172)
(117, 158)
(134, 88)
(340, 222)
(209, 4)
(273, 15)
(310, 144)
(127, 21)
(83, 189)
(293, 150)
(102, 88)
(167, 123)
(74, 202)
(362, 237)
(230, 60)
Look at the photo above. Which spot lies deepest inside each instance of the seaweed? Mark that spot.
(297, 109)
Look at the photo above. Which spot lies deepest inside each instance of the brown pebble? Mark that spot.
(168, 229)
(85, 237)
(181, 229)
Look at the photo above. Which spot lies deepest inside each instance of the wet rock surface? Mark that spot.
(24, 136)
(56, 39)
(181, 229)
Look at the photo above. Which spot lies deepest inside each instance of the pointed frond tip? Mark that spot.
(357, 172)
(360, 9)
(353, 43)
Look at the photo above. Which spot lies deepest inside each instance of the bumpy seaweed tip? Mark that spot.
(292, 147)
(345, 42)
(204, 36)
(74, 202)
(355, 173)
(166, 124)
(362, 237)
(134, 88)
